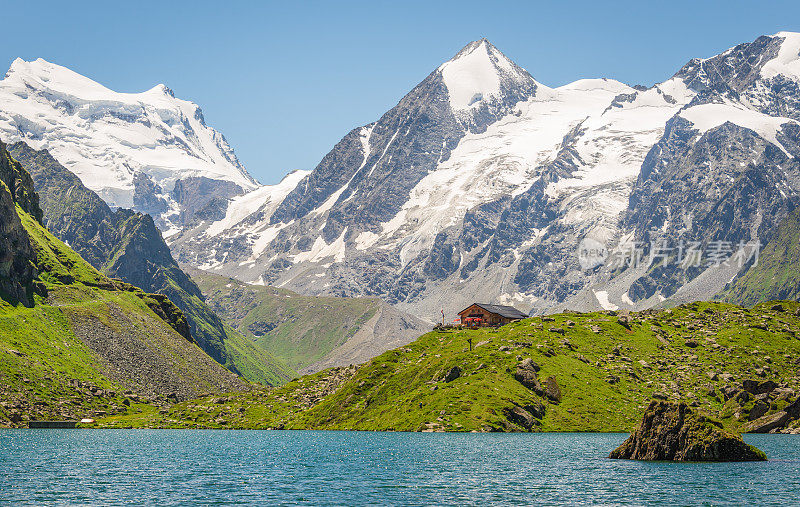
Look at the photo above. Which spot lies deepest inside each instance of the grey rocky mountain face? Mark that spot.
(483, 184)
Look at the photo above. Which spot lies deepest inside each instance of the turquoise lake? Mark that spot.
(169, 467)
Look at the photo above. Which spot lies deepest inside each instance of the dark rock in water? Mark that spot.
(453, 374)
(674, 432)
(552, 390)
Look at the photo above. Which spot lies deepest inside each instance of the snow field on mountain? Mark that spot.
(471, 77)
(708, 116)
(105, 137)
(787, 63)
(505, 159)
(265, 198)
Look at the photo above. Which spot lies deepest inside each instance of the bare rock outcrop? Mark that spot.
(674, 432)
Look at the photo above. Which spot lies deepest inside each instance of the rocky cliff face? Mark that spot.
(17, 258)
(777, 274)
(87, 341)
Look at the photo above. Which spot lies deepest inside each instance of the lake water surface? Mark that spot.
(164, 467)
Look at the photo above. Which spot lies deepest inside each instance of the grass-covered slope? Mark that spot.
(82, 344)
(90, 346)
(300, 330)
(777, 273)
(603, 368)
(127, 245)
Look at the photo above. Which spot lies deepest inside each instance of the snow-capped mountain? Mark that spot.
(482, 184)
(137, 150)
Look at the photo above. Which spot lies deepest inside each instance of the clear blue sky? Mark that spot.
(284, 81)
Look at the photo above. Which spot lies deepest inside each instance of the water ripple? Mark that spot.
(121, 467)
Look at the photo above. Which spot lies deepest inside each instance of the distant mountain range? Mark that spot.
(481, 184)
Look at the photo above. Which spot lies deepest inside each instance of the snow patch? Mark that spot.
(602, 298)
(787, 62)
(365, 240)
(708, 116)
(472, 77)
(245, 205)
(321, 250)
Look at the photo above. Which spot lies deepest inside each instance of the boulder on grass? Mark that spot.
(674, 432)
(768, 422)
(453, 374)
(520, 417)
(526, 375)
(552, 390)
(757, 387)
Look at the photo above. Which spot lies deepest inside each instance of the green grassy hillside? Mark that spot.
(127, 245)
(296, 329)
(777, 273)
(91, 346)
(79, 344)
(597, 372)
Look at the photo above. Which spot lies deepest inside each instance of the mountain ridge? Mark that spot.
(491, 188)
(142, 143)
(127, 245)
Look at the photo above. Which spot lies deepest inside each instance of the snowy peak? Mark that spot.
(43, 75)
(481, 73)
(787, 62)
(131, 148)
(739, 67)
(483, 181)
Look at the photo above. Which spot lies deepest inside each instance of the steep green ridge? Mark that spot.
(127, 245)
(86, 345)
(597, 372)
(299, 330)
(777, 274)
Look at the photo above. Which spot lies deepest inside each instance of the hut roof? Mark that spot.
(506, 311)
